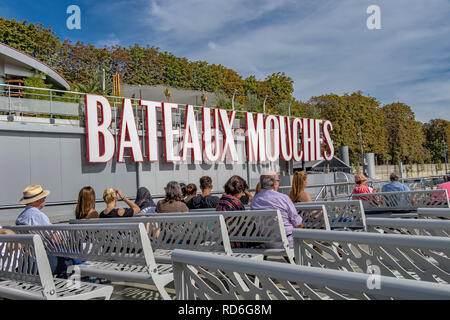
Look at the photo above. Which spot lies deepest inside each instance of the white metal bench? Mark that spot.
(314, 216)
(117, 252)
(25, 274)
(407, 256)
(434, 213)
(342, 215)
(188, 231)
(406, 201)
(247, 226)
(204, 276)
(420, 227)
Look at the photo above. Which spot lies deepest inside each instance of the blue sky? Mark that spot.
(324, 45)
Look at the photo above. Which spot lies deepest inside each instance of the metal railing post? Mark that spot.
(10, 116)
(52, 120)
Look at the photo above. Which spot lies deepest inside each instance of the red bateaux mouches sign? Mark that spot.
(268, 137)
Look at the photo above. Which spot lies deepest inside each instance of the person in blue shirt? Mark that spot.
(34, 200)
(395, 185)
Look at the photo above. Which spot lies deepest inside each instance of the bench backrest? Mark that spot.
(23, 258)
(261, 226)
(253, 226)
(184, 231)
(120, 243)
(420, 227)
(342, 215)
(199, 275)
(433, 213)
(403, 201)
(412, 257)
(314, 216)
(192, 232)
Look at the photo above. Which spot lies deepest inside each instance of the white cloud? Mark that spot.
(324, 46)
(194, 19)
(111, 40)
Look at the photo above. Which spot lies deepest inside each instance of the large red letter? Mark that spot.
(94, 129)
(229, 146)
(285, 138)
(169, 133)
(151, 124)
(297, 127)
(190, 137)
(308, 140)
(255, 137)
(272, 128)
(211, 155)
(327, 127)
(128, 129)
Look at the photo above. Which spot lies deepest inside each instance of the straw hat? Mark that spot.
(360, 177)
(33, 193)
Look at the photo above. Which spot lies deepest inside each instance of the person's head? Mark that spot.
(394, 177)
(269, 180)
(235, 186)
(86, 202)
(360, 179)
(144, 198)
(35, 196)
(191, 189)
(206, 183)
(299, 182)
(173, 191)
(110, 197)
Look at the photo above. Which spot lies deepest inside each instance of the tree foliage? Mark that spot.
(436, 132)
(391, 131)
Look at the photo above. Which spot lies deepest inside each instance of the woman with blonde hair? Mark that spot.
(299, 182)
(110, 198)
(86, 204)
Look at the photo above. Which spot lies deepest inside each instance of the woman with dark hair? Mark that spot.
(190, 192)
(144, 201)
(234, 189)
(86, 204)
(172, 201)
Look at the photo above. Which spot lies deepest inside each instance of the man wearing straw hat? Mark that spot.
(34, 199)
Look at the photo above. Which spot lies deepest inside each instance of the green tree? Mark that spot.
(405, 136)
(436, 130)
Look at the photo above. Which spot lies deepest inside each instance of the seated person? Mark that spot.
(234, 190)
(190, 191)
(145, 201)
(230, 201)
(299, 183)
(172, 201)
(445, 185)
(34, 198)
(269, 198)
(86, 204)
(204, 200)
(110, 198)
(395, 185)
(361, 185)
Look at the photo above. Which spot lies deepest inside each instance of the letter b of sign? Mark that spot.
(374, 20)
(74, 20)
